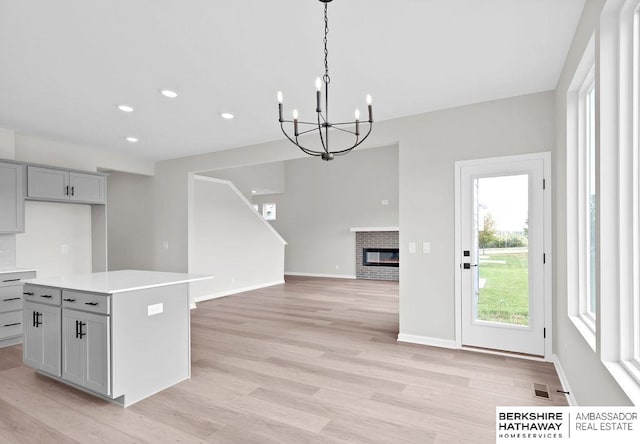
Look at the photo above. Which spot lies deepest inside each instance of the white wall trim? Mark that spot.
(426, 340)
(563, 380)
(243, 198)
(237, 290)
(320, 275)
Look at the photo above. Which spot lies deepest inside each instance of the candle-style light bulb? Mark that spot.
(357, 114)
(295, 122)
(368, 99)
(280, 106)
(279, 96)
(318, 88)
(370, 108)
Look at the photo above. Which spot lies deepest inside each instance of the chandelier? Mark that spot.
(322, 125)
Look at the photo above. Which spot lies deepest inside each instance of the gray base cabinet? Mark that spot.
(86, 350)
(42, 343)
(11, 301)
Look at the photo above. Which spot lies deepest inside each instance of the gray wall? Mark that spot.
(323, 200)
(130, 226)
(590, 381)
(265, 178)
(431, 144)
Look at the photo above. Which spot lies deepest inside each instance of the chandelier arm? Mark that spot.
(299, 122)
(295, 142)
(337, 153)
(308, 131)
(343, 130)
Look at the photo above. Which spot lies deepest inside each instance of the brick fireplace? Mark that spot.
(382, 245)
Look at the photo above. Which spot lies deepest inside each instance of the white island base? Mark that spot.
(122, 336)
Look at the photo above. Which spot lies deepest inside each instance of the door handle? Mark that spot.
(73, 193)
(91, 303)
(10, 299)
(46, 296)
(11, 325)
(468, 266)
(28, 293)
(11, 280)
(69, 300)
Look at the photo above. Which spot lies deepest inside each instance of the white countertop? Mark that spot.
(4, 270)
(118, 281)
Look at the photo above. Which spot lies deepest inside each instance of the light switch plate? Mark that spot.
(412, 247)
(155, 309)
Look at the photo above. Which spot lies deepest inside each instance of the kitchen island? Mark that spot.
(120, 335)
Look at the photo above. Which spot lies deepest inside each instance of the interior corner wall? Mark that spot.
(323, 200)
(230, 241)
(130, 227)
(580, 363)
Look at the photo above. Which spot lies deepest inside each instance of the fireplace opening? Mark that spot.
(381, 257)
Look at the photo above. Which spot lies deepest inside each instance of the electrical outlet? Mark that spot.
(155, 309)
(426, 247)
(412, 247)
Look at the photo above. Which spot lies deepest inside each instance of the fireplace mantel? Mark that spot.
(369, 229)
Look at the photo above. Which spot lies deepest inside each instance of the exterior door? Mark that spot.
(502, 258)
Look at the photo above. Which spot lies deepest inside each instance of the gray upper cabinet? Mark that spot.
(60, 185)
(11, 198)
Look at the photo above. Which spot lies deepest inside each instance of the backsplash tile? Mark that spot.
(7, 250)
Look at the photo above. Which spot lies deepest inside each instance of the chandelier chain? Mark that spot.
(326, 77)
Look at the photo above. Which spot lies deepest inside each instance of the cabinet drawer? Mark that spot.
(13, 278)
(43, 295)
(10, 298)
(95, 303)
(10, 324)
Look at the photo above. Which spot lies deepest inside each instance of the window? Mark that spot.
(619, 194)
(582, 197)
(269, 211)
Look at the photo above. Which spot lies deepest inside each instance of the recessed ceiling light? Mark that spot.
(131, 139)
(169, 93)
(125, 108)
(253, 191)
(227, 116)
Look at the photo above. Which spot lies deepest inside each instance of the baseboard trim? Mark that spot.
(236, 291)
(426, 340)
(320, 275)
(563, 380)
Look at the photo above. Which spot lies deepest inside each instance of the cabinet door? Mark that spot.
(98, 352)
(86, 350)
(86, 188)
(45, 183)
(11, 198)
(72, 348)
(42, 334)
(32, 342)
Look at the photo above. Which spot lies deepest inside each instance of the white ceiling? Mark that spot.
(66, 64)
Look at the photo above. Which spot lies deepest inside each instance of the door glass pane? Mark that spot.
(502, 254)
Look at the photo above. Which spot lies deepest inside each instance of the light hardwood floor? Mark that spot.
(311, 361)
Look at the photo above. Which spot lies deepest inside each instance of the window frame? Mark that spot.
(619, 191)
(578, 215)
